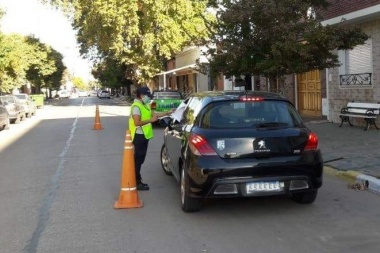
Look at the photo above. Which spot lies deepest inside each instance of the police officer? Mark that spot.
(140, 126)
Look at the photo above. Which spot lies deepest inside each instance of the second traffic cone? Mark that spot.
(128, 197)
(97, 125)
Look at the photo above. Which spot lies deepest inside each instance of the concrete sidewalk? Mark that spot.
(349, 152)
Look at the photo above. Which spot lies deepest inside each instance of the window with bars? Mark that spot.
(356, 68)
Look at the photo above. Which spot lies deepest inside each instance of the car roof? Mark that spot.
(9, 97)
(21, 95)
(235, 95)
(176, 91)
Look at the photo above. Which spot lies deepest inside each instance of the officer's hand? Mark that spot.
(154, 118)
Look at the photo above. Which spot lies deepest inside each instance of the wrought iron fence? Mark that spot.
(363, 79)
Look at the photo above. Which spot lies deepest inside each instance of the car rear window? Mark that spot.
(239, 114)
(167, 95)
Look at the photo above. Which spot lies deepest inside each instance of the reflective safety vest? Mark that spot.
(146, 114)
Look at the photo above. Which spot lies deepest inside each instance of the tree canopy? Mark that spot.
(246, 37)
(139, 34)
(13, 61)
(25, 59)
(274, 38)
(45, 65)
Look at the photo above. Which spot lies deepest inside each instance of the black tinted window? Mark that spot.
(238, 114)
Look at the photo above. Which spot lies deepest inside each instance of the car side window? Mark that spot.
(191, 111)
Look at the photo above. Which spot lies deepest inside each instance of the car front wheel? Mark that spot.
(188, 204)
(18, 119)
(7, 124)
(305, 197)
(165, 161)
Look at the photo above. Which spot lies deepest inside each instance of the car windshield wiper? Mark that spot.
(271, 125)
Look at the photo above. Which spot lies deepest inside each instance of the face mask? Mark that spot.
(146, 99)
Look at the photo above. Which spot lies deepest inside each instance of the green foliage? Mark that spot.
(46, 66)
(13, 61)
(79, 83)
(275, 38)
(26, 59)
(110, 73)
(138, 33)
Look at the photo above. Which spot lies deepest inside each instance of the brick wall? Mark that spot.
(341, 7)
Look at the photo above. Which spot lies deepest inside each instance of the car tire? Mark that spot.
(305, 197)
(164, 161)
(188, 204)
(7, 124)
(18, 119)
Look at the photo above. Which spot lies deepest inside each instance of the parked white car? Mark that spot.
(104, 94)
(28, 103)
(63, 94)
(84, 93)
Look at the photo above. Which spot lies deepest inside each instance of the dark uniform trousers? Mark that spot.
(140, 148)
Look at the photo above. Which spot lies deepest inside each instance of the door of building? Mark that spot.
(309, 93)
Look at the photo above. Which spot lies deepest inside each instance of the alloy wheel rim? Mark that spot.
(164, 160)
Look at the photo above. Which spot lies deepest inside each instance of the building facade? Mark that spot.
(182, 73)
(318, 93)
(358, 77)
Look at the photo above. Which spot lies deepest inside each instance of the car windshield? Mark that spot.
(267, 114)
(20, 96)
(167, 95)
(7, 99)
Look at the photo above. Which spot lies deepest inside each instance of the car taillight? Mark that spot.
(199, 146)
(312, 142)
(153, 105)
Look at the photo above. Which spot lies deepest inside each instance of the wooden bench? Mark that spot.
(368, 111)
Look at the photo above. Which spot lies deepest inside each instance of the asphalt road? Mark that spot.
(59, 180)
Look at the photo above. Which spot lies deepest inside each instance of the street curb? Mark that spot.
(371, 183)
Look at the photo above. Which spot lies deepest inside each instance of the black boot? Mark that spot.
(142, 187)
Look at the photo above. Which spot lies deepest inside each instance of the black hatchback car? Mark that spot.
(240, 144)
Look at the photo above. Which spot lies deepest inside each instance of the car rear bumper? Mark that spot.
(13, 116)
(233, 182)
(224, 187)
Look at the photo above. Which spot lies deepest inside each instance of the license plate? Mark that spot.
(272, 186)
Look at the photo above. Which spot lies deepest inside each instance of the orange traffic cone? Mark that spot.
(97, 125)
(128, 197)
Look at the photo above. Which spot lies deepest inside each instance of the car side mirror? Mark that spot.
(165, 121)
